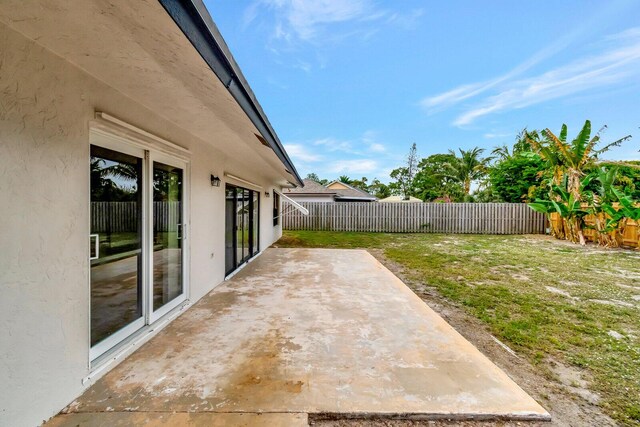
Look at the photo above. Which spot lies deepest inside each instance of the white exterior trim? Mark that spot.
(132, 135)
(109, 118)
(243, 181)
(295, 204)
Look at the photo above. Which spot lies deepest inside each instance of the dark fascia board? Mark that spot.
(194, 20)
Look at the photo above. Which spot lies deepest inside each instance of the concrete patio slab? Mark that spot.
(308, 331)
(191, 419)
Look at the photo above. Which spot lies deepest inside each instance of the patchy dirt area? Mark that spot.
(560, 320)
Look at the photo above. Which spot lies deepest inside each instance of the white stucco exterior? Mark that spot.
(54, 76)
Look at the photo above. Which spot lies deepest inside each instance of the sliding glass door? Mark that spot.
(242, 226)
(116, 244)
(137, 239)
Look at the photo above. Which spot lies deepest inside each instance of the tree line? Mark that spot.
(516, 173)
(552, 174)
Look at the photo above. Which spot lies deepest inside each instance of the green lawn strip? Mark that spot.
(536, 296)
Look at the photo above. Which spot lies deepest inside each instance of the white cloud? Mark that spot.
(297, 24)
(618, 62)
(492, 135)
(299, 152)
(608, 68)
(353, 166)
(408, 21)
(330, 157)
(366, 143)
(466, 91)
(377, 148)
(303, 65)
(454, 96)
(369, 140)
(304, 19)
(332, 144)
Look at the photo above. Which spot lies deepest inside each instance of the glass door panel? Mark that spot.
(246, 210)
(168, 234)
(230, 229)
(255, 223)
(241, 227)
(115, 242)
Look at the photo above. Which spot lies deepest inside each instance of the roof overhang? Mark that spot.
(168, 74)
(194, 21)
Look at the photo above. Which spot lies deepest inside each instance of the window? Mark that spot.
(276, 208)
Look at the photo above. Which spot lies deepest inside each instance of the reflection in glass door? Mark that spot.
(115, 244)
(137, 239)
(168, 235)
(255, 221)
(241, 236)
(230, 229)
(243, 224)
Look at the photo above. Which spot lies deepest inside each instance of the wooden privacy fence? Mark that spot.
(122, 217)
(470, 218)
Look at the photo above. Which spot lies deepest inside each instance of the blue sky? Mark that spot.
(349, 85)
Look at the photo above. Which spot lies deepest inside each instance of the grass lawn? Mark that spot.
(546, 299)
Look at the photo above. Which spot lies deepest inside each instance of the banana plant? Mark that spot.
(600, 202)
(565, 203)
(618, 217)
(570, 159)
(610, 220)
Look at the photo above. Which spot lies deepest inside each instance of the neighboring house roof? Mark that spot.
(194, 20)
(347, 192)
(311, 187)
(338, 185)
(343, 191)
(396, 199)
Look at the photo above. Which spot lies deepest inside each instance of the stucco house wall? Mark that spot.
(47, 105)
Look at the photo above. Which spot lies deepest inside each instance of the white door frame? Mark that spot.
(115, 143)
(179, 163)
(105, 139)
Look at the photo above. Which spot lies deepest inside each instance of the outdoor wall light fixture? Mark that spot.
(266, 194)
(215, 181)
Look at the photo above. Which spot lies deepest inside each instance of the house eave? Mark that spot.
(193, 19)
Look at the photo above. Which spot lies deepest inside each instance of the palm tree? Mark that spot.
(502, 152)
(521, 144)
(344, 179)
(469, 167)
